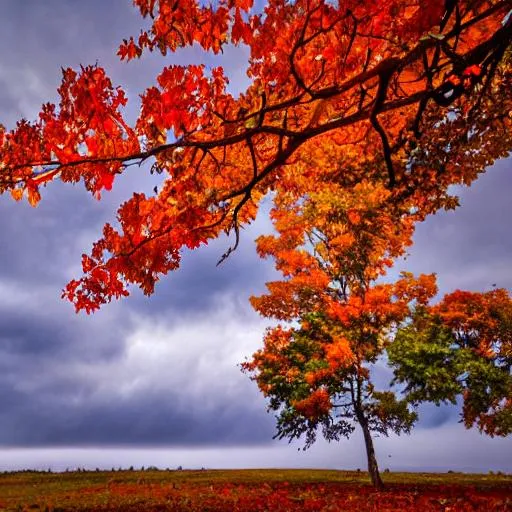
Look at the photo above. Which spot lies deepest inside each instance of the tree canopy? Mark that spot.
(338, 319)
(335, 317)
(461, 349)
(409, 97)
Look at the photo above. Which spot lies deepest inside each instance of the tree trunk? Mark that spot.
(373, 468)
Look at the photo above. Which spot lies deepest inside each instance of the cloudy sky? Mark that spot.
(155, 381)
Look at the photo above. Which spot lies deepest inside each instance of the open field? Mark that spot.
(252, 490)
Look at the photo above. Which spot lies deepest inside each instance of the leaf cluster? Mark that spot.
(460, 349)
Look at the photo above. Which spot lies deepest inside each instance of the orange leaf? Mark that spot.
(329, 53)
(17, 193)
(33, 196)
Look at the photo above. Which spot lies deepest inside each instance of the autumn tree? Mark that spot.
(336, 320)
(461, 349)
(410, 97)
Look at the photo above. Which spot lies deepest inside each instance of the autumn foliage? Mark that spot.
(332, 244)
(405, 97)
(337, 320)
(461, 348)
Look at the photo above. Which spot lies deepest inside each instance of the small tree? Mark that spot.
(461, 348)
(331, 248)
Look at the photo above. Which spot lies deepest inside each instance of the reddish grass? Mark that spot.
(248, 491)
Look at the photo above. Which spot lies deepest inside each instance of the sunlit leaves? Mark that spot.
(179, 24)
(87, 126)
(392, 101)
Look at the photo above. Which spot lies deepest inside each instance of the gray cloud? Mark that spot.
(470, 247)
(121, 379)
(162, 371)
(148, 420)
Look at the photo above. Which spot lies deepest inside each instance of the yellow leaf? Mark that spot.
(252, 122)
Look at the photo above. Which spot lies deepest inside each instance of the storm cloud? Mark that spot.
(162, 371)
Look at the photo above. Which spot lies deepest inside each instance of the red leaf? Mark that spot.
(106, 181)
